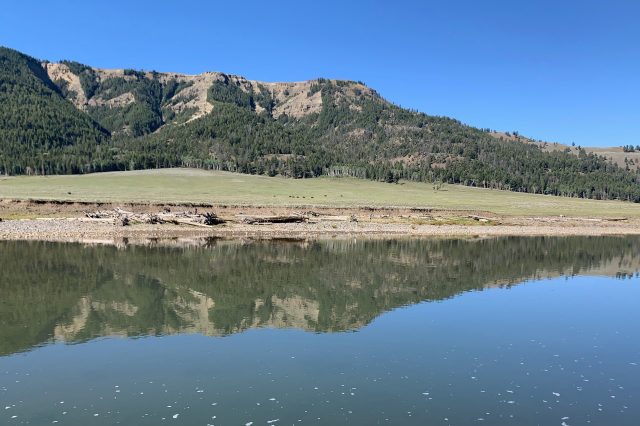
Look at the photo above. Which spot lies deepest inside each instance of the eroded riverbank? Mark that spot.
(36, 220)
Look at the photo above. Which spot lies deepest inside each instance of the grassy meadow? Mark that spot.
(192, 185)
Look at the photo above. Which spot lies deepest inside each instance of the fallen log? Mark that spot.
(261, 220)
(211, 219)
(479, 218)
(154, 220)
(337, 218)
(190, 223)
(120, 211)
(99, 215)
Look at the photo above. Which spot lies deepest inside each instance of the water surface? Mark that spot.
(494, 331)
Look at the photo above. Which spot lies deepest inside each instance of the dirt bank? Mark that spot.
(39, 220)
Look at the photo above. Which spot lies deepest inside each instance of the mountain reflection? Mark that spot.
(73, 292)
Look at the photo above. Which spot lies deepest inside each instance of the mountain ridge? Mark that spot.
(126, 119)
(53, 71)
(286, 93)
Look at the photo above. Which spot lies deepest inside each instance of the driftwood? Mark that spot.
(479, 218)
(343, 218)
(153, 219)
(99, 214)
(124, 218)
(261, 220)
(190, 223)
(211, 219)
(614, 219)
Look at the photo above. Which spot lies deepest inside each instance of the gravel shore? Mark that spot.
(77, 229)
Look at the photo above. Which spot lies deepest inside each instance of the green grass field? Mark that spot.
(189, 185)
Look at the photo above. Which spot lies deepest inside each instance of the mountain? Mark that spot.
(68, 117)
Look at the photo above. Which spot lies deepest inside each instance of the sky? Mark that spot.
(565, 71)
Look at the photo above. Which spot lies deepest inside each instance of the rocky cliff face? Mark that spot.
(187, 95)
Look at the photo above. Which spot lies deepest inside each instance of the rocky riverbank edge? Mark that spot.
(86, 222)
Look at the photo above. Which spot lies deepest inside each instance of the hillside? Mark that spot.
(626, 157)
(90, 119)
(39, 129)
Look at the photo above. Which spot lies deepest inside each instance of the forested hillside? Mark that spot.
(70, 118)
(41, 132)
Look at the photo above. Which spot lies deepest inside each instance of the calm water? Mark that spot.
(498, 331)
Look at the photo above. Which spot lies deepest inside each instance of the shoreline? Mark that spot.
(69, 221)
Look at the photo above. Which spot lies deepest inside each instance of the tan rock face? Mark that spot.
(193, 96)
(295, 99)
(61, 72)
(119, 101)
(290, 98)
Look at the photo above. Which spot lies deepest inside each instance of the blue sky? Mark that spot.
(566, 71)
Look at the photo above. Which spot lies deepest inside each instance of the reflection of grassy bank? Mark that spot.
(198, 186)
(79, 292)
